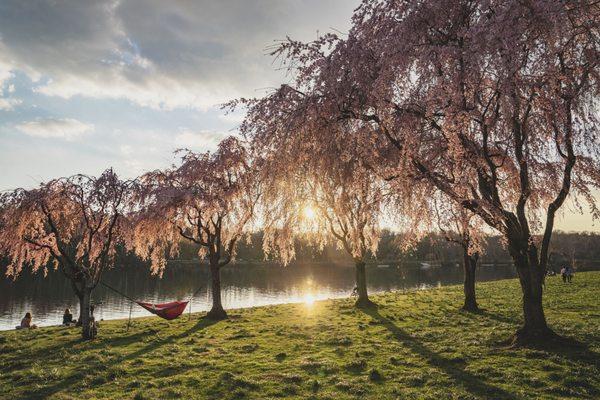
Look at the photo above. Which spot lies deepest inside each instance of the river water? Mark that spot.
(242, 285)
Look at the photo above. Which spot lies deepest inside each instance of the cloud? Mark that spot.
(200, 140)
(234, 118)
(6, 74)
(55, 128)
(7, 104)
(6, 66)
(156, 53)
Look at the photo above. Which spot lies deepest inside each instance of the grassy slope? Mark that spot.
(417, 345)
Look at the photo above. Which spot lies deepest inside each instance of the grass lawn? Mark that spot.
(417, 345)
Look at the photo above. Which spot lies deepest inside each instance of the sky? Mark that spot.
(87, 85)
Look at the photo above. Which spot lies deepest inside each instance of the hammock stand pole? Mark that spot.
(190, 301)
(130, 310)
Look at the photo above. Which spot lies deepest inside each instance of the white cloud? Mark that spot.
(5, 68)
(200, 140)
(6, 74)
(154, 53)
(9, 65)
(55, 128)
(234, 118)
(7, 104)
(161, 92)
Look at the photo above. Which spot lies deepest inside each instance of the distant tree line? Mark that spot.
(566, 248)
(573, 248)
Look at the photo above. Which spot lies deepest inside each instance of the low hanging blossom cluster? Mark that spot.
(309, 162)
(458, 225)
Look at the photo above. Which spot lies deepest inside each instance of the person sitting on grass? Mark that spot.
(68, 318)
(26, 322)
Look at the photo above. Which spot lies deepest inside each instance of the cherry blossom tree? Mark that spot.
(492, 103)
(331, 201)
(74, 224)
(208, 200)
(464, 228)
(309, 164)
(349, 206)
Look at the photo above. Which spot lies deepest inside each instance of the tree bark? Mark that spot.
(535, 330)
(361, 285)
(88, 330)
(79, 319)
(469, 266)
(216, 312)
(79, 295)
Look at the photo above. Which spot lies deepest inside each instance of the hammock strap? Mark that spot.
(118, 292)
(196, 292)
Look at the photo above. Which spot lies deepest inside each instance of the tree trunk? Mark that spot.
(216, 312)
(535, 329)
(88, 329)
(470, 265)
(79, 319)
(79, 295)
(361, 286)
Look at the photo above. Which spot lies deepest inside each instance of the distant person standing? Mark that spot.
(563, 274)
(569, 272)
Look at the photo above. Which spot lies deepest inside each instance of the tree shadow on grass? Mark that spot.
(43, 354)
(202, 323)
(78, 375)
(48, 354)
(454, 369)
(496, 317)
(116, 341)
(572, 350)
(565, 347)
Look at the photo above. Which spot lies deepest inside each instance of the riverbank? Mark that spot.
(416, 345)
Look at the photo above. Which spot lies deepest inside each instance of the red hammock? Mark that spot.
(167, 311)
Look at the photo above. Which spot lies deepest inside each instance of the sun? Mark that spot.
(309, 213)
(309, 299)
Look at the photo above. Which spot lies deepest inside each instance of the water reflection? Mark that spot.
(243, 286)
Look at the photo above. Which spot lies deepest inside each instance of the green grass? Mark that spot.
(417, 345)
